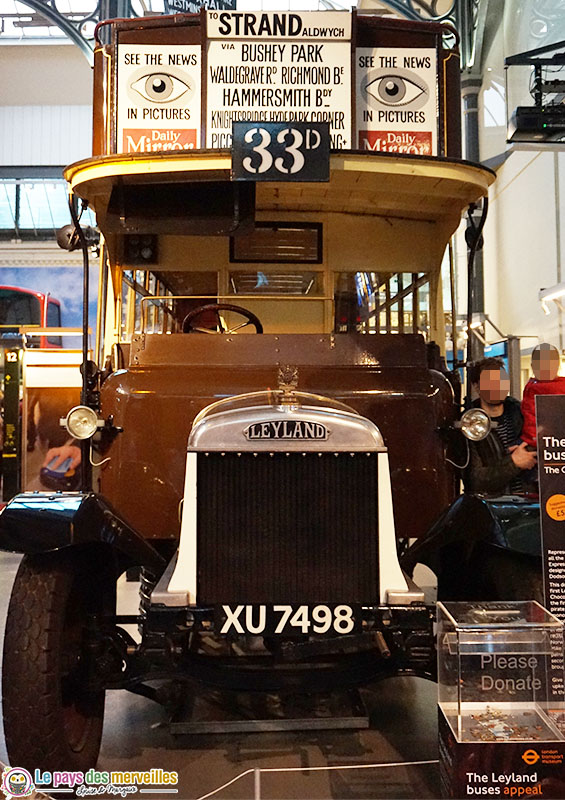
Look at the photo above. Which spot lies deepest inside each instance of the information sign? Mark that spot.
(550, 422)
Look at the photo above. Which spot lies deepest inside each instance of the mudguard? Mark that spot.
(483, 549)
(39, 522)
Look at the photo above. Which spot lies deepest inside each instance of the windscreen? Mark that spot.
(19, 308)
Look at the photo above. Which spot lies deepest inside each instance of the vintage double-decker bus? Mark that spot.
(267, 406)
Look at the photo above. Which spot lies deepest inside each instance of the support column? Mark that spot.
(470, 86)
(112, 9)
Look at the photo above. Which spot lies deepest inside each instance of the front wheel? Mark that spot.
(51, 720)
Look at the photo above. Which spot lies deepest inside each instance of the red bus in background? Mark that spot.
(25, 307)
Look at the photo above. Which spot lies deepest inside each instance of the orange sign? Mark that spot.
(555, 507)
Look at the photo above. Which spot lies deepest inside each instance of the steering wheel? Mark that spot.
(189, 326)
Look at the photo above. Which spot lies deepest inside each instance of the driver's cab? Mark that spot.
(280, 278)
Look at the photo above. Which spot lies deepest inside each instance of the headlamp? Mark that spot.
(475, 424)
(81, 422)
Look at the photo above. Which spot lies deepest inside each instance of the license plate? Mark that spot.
(291, 619)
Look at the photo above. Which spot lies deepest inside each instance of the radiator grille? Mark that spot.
(287, 528)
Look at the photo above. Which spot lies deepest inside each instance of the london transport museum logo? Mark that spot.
(18, 782)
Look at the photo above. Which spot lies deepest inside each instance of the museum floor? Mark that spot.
(403, 727)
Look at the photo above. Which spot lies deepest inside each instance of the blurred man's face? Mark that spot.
(545, 364)
(494, 385)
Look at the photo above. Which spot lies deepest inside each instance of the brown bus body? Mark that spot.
(268, 405)
(385, 378)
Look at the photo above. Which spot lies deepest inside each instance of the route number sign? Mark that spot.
(281, 151)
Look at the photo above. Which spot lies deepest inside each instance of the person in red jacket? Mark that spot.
(545, 366)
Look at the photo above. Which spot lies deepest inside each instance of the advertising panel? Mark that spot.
(278, 67)
(158, 98)
(397, 100)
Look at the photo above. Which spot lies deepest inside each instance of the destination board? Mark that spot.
(278, 67)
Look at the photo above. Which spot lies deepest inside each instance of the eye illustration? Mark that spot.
(160, 87)
(395, 89)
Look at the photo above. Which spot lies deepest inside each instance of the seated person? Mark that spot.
(497, 463)
(545, 366)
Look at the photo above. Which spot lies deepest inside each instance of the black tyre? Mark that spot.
(51, 720)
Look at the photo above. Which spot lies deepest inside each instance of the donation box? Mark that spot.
(499, 724)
